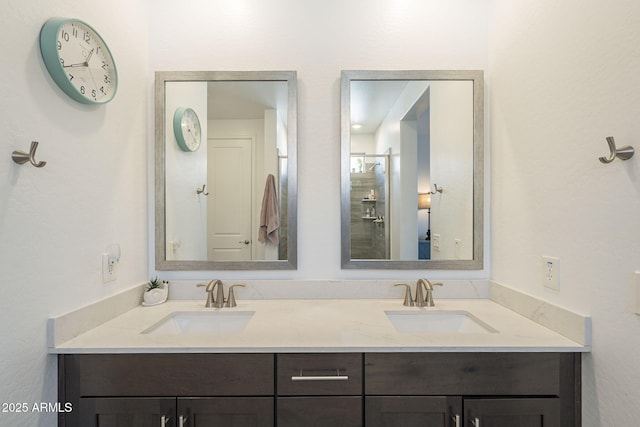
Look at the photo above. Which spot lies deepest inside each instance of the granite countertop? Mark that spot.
(319, 325)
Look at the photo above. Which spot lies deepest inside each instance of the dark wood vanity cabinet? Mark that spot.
(318, 390)
(137, 390)
(322, 389)
(472, 389)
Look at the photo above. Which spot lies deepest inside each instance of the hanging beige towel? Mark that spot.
(270, 214)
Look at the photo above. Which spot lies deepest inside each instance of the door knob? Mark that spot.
(246, 242)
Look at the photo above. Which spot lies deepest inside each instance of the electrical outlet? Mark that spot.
(551, 272)
(457, 247)
(109, 270)
(435, 242)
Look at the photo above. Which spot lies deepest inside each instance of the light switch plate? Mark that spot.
(636, 291)
(435, 242)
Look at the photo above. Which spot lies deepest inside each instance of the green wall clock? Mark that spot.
(186, 128)
(78, 60)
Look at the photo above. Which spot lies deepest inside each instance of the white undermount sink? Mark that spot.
(202, 322)
(438, 322)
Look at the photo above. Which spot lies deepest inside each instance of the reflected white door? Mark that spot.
(229, 200)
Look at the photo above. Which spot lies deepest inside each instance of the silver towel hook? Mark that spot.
(21, 157)
(623, 153)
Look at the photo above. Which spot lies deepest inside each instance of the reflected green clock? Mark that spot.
(186, 128)
(78, 60)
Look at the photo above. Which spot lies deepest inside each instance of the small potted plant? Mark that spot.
(156, 292)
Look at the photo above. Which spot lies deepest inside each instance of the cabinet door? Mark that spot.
(343, 411)
(126, 412)
(226, 411)
(413, 411)
(525, 412)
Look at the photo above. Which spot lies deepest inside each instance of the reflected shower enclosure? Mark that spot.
(369, 207)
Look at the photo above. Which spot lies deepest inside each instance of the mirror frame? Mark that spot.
(161, 78)
(477, 76)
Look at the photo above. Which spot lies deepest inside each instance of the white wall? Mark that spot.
(318, 39)
(55, 222)
(452, 168)
(186, 210)
(563, 76)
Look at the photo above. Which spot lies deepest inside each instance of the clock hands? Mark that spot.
(81, 64)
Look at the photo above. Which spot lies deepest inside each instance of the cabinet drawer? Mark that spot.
(345, 411)
(319, 374)
(479, 374)
(170, 374)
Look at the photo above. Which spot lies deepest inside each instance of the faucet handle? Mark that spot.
(408, 299)
(429, 299)
(209, 290)
(231, 299)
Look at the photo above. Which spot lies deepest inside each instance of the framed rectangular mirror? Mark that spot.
(226, 187)
(412, 148)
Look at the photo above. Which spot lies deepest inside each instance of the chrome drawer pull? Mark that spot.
(182, 420)
(337, 377)
(164, 420)
(456, 420)
(475, 422)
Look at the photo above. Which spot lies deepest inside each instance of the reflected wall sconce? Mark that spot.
(424, 202)
(202, 190)
(622, 153)
(437, 190)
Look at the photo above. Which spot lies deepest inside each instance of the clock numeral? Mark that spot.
(59, 45)
(62, 61)
(70, 77)
(87, 37)
(82, 90)
(102, 90)
(94, 94)
(107, 79)
(75, 32)
(64, 35)
(104, 65)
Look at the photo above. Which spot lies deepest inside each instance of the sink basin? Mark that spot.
(438, 322)
(202, 322)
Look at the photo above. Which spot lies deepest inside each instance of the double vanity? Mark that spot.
(314, 353)
(318, 362)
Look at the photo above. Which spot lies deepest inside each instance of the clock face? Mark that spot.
(186, 127)
(79, 60)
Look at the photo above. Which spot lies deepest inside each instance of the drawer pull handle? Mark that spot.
(337, 377)
(456, 421)
(182, 421)
(164, 420)
(475, 422)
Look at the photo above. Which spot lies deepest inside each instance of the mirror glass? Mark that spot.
(229, 204)
(412, 169)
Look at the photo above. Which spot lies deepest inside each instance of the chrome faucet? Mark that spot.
(218, 301)
(423, 300)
